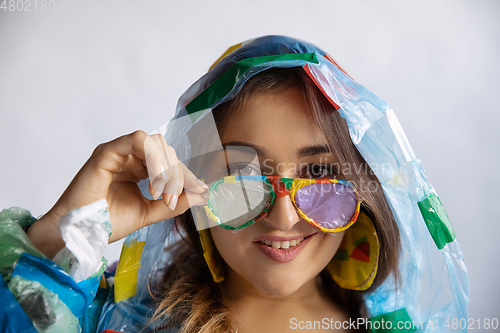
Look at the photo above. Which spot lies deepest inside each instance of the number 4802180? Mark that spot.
(28, 5)
(471, 323)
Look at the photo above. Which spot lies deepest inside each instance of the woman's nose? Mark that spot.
(283, 215)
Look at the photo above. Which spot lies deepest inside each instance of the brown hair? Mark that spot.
(189, 299)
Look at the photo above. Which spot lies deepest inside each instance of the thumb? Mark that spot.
(159, 211)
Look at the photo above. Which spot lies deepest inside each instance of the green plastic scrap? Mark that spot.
(18, 215)
(437, 220)
(223, 85)
(44, 308)
(396, 321)
(13, 240)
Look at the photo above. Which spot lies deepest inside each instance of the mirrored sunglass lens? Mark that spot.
(330, 204)
(234, 204)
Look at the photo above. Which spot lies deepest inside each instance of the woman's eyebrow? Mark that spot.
(303, 152)
(260, 151)
(313, 150)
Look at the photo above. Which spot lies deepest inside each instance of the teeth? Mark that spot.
(282, 244)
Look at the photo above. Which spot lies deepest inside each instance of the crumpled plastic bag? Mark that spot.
(40, 305)
(44, 308)
(13, 240)
(85, 231)
(51, 299)
(11, 309)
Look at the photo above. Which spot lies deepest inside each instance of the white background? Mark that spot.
(90, 71)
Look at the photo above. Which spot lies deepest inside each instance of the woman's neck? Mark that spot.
(255, 311)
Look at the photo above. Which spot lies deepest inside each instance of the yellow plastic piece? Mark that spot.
(229, 50)
(231, 179)
(299, 183)
(210, 215)
(211, 256)
(349, 272)
(126, 272)
(103, 283)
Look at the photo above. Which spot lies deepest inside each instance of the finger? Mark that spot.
(129, 176)
(148, 150)
(172, 178)
(153, 192)
(163, 167)
(173, 188)
(161, 160)
(159, 212)
(174, 182)
(114, 154)
(191, 182)
(131, 166)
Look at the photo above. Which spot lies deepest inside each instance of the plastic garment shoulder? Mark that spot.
(434, 282)
(37, 294)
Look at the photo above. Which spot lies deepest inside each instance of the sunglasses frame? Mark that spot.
(290, 187)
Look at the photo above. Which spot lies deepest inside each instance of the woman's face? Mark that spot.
(278, 127)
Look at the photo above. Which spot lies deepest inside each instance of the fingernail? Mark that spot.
(202, 184)
(173, 201)
(156, 195)
(166, 198)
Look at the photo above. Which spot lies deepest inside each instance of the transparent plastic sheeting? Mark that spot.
(434, 282)
(202, 152)
(129, 303)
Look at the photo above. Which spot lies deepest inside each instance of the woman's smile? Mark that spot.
(282, 249)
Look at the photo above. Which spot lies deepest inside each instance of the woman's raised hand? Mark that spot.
(112, 173)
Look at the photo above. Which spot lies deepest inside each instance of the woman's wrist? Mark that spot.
(45, 235)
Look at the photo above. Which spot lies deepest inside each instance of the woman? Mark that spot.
(272, 110)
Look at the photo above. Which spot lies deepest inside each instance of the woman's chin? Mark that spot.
(271, 282)
(280, 291)
(279, 288)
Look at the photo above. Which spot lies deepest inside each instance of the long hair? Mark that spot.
(187, 297)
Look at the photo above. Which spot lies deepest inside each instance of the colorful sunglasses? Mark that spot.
(235, 202)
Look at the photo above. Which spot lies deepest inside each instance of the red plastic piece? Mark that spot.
(361, 252)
